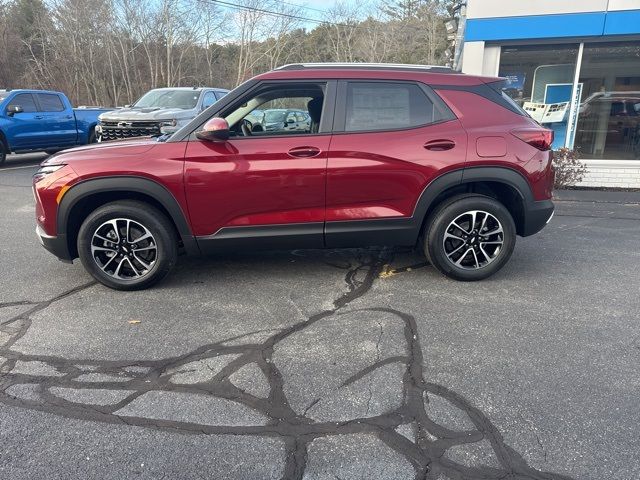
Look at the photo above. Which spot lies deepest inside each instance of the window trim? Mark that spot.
(328, 114)
(340, 121)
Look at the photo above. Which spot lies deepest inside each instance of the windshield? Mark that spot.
(185, 99)
(274, 116)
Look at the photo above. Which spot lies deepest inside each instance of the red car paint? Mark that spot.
(258, 181)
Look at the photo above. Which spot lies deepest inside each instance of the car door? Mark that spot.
(60, 123)
(261, 189)
(25, 129)
(391, 139)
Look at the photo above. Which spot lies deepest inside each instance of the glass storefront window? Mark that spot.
(540, 79)
(609, 115)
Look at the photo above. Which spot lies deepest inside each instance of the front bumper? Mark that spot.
(536, 216)
(56, 245)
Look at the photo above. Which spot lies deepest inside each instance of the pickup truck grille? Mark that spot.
(123, 129)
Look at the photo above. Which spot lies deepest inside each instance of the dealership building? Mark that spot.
(575, 67)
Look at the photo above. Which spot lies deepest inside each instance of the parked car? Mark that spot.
(393, 155)
(159, 111)
(282, 119)
(41, 120)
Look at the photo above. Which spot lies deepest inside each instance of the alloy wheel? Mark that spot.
(473, 240)
(124, 249)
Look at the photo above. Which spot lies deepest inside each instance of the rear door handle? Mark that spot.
(304, 152)
(439, 145)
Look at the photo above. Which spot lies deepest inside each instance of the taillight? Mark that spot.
(540, 138)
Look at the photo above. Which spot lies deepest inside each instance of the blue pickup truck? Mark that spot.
(39, 120)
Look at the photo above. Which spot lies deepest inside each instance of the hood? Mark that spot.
(118, 148)
(142, 114)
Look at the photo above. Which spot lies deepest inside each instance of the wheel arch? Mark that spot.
(86, 196)
(504, 184)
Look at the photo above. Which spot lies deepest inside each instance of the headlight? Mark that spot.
(169, 123)
(46, 170)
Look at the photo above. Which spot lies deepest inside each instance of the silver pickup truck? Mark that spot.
(159, 111)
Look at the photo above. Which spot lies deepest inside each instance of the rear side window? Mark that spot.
(374, 106)
(26, 101)
(50, 102)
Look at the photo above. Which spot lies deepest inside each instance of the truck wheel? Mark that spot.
(92, 136)
(469, 237)
(127, 245)
(3, 152)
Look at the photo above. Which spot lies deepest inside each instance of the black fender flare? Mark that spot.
(468, 175)
(121, 183)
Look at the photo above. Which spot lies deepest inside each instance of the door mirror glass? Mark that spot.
(13, 109)
(215, 130)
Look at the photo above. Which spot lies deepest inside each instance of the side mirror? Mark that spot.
(13, 109)
(126, 106)
(215, 130)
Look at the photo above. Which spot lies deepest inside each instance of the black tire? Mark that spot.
(92, 136)
(159, 253)
(442, 253)
(3, 152)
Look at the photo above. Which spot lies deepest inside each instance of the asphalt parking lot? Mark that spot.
(327, 364)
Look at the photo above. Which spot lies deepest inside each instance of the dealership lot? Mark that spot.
(326, 364)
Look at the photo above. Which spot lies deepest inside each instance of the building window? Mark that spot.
(540, 79)
(609, 115)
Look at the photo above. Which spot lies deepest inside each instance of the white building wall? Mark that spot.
(612, 174)
(517, 8)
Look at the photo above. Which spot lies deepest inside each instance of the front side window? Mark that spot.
(50, 102)
(26, 101)
(208, 100)
(386, 106)
(272, 111)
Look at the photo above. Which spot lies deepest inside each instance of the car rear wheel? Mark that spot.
(469, 237)
(127, 245)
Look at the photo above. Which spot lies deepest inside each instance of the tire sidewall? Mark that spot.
(166, 248)
(441, 221)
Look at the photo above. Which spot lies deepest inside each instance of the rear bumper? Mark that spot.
(536, 216)
(56, 245)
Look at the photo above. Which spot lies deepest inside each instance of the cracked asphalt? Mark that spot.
(327, 364)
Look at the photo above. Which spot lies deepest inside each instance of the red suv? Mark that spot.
(393, 155)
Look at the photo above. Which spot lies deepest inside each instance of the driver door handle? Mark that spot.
(440, 145)
(304, 152)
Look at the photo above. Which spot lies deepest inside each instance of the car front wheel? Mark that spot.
(127, 245)
(470, 237)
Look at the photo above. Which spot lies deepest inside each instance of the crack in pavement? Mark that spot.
(135, 378)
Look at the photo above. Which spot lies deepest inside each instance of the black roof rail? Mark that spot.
(368, 66)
